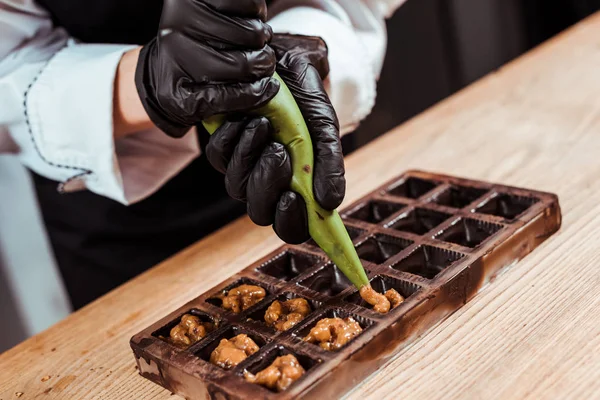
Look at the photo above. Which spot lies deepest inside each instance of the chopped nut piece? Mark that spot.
(242, 297)
(189, 330)
(379, 302)
(231, 352)
(394, 297)
(284, 315)
(284, 371)
(333, 333)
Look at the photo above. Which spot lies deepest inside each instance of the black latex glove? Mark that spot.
(258, 170)
(209, 57)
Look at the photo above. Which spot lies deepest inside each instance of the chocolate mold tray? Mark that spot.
(436, 239)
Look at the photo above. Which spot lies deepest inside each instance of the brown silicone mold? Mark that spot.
(436, 239)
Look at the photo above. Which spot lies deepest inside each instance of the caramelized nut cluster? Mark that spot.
(278, 376)
(284, 315)
(333, 333)
(394, 297)
(231, 352)
(381, 302)
(242, 297)
(189, 331)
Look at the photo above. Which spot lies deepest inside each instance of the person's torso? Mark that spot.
(108, 21)
(189, 206)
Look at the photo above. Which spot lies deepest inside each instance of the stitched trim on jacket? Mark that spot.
(61, 186)
(82, 171)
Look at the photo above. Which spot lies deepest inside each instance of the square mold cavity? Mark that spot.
(288, 265)
(381, 284)
(419, 221)
(352, 232)
(205, 351)
(427, 261)
(217, 302)
(266, 359)
(379, 248)
(469, 232)
(506, 205)
(364, 323)
(375, 211)
(413, 188)
(459, 196)
(329, 281)
(258, 315)
(164, 332)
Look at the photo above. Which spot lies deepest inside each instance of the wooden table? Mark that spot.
(534, 333)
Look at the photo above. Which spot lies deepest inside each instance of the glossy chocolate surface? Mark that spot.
(435, 239)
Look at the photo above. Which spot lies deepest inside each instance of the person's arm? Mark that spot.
(129, 115)
(354, 31)
(57, 105)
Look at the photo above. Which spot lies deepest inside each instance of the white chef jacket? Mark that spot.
(56, 94)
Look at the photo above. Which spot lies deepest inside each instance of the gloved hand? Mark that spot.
(258, 170)
(209, 57)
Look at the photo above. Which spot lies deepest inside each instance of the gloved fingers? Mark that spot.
(270, 177)
(202, 22)
(329, 182)
(306, 86)
(204, 64)
(210, 56)
(291, 221)
(253, 140)
(240, 8)
(209, 100)
(301, 49)
(222, 143)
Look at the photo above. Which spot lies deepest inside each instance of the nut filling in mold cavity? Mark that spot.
(430, 241)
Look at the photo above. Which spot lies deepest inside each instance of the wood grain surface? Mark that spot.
(532, 334)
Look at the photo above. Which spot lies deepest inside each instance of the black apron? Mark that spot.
(99, 243)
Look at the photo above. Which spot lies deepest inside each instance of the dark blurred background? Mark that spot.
(436, 47)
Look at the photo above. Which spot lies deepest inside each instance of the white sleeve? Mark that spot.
(56, 98)
(354, 31)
